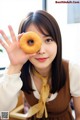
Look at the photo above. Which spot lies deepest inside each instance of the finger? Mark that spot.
(13, 36)
(5, 37)
(4, 45)
(20, 35)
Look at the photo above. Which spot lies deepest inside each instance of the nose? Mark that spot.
(42, 49)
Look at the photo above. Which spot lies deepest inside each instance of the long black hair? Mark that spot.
(43, 20)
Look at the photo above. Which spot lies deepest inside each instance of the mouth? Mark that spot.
(41, 59)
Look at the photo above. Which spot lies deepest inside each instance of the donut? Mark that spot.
(30, 42)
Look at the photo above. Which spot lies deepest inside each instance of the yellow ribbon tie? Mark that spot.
(40, 108)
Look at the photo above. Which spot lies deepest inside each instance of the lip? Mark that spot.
(41, 59)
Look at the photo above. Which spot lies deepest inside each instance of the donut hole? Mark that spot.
(30, 42)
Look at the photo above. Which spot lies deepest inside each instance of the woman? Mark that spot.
(51, 98)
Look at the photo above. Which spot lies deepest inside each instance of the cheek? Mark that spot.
(32, 59)
(53, 50)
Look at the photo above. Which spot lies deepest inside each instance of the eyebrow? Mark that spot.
(46, 35)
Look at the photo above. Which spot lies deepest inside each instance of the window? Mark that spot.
(73, 12)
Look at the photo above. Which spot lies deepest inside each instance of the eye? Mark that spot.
(49, 40)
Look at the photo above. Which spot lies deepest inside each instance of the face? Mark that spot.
(44, 57)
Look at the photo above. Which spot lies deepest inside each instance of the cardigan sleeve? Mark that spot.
(10, 86)
(74, 75)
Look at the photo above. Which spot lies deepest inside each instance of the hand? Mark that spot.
(15, 53)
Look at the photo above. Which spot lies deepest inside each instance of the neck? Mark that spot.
(43, 72)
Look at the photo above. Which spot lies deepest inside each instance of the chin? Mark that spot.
(42, 66)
